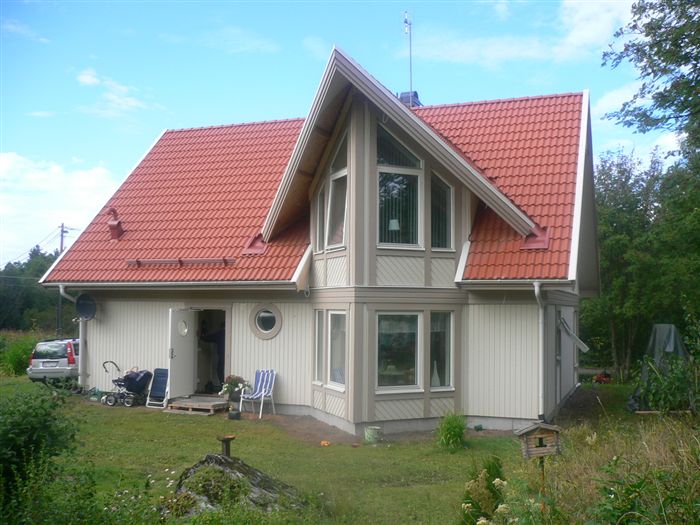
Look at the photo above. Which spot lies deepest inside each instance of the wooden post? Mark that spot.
(226, 444)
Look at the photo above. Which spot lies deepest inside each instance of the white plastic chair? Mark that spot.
(262, 389)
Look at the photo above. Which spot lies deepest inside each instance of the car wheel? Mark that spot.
(129, 400)
(110, 400)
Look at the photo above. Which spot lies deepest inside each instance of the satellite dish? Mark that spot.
(85, 306)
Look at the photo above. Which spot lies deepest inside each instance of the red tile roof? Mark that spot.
(198, 197)
(528, 148)
(195, 202)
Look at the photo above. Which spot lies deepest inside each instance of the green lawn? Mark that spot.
(393, 482)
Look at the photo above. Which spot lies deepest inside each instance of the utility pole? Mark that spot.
(59, 305)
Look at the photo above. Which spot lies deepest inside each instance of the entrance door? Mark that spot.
(182, 352)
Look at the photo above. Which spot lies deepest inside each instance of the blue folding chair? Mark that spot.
(158, 395)
(262, 389)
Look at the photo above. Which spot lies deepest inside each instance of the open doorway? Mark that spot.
(211, 351)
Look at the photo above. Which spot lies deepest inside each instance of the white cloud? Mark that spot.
(41, 114)
(581, 28)
(235, 40)
(18, 28)
(36, 196)
(589, 26)
(613, 100)
(88, 77)
(116, 100)
(318, 47)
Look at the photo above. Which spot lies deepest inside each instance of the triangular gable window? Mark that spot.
(392, 153)
(340, 162)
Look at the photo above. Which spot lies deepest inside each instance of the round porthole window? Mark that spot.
(265, 321)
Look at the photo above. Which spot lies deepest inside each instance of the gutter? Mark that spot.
(540, 349)
(169, 285)
(82, 336)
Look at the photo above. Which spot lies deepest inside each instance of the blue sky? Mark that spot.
(86, 87)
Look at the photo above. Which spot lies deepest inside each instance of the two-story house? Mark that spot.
(392, 264)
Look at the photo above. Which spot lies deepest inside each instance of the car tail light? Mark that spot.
(70, 355)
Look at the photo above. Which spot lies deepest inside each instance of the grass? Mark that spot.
(393, 482)
(399, 481)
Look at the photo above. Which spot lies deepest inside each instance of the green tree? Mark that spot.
(24, 303)
(627, 205)
(662, 41)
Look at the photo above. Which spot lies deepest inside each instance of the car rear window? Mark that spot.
(50, 351)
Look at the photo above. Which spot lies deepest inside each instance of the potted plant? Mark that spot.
(232, 387)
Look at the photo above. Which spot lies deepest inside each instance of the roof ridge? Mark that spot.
(237, 124)
(497, 100)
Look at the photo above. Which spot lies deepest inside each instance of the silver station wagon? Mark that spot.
(51, 360)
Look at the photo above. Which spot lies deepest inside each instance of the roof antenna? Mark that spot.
(407, 29)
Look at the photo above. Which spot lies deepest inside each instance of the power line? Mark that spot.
(62, 230)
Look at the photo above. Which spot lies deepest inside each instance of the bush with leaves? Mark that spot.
(670, 385)
(15, 351)
(31, 425)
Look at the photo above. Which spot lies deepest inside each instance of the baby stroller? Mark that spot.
(131, 389)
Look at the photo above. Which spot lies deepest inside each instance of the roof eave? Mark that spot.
(183, 285)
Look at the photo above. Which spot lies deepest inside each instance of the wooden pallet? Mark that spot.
(196, 406)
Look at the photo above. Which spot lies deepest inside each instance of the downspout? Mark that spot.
(82, 330)
(540, 350)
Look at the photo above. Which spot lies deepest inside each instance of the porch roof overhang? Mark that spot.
(342, 75)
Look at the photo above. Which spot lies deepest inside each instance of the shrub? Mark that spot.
(16, 350)
(671, 385)
(451, 431)
(483, 494)
(31, 425)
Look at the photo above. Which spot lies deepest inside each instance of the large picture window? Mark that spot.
(397, 350)
(440, 213)
(440, 349)
(398, 192)
(336, 348)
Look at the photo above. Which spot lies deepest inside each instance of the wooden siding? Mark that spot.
(568, 354)
(130, 333)
(439, 406)
(335, 404)
(318, 400)
(400, 271)
(290, 352)
(398, 409)
(502, 376)
(318, 273)
(337, 271)
(442, 273)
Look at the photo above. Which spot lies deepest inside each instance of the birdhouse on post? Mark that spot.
(539, 439)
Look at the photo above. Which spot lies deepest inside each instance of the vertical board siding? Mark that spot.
(398, 409)
(502, 373)
(442, 273)
(568, 351)
(318, 400)
(337, 271)
(290, 352)
(335, 404)
(439, 406)
(318, 273)
(130, 333)
(400, 271)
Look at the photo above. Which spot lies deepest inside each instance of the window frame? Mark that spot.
(451, 215)
(402, 389)
(402, 170)
(320, 244)
(252, 321)
(331, 190)
(333, 385)
(449, 387)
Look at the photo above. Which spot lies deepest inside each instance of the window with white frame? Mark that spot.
(440, 213)
(399, 192)
(440, 349)
(398, 349)
(318, 368)
(336, 348)
(337, 197)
